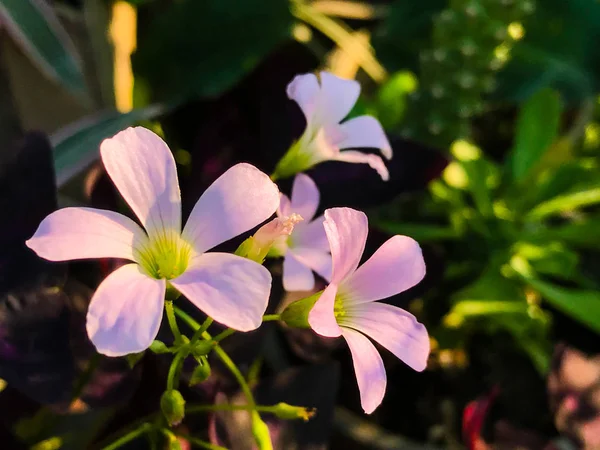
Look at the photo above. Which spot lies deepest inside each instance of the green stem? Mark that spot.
(198, 333)
(172, 321)
(198, 442)
(173, 376)
(223, 334)
(229, 407)
(271, 317)
(223, 356)
(144, 428)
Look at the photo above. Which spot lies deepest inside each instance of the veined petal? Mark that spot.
(311, 235)
(338, 97)
(143, 170)
(284, 209)
(80, 233)
(321, 317)
(232, 290)
(125, 312)
(395, 329)
(304, 89)
(237, 201)
(374, 161)
(365, 132)
(297, 276)
(369, 369)
(317, 260)
(305, 197)
(395, 267)
(346, 230)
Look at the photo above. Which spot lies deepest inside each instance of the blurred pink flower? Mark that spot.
(307, 248)
(126, 310)
(347, 306)
(325, 102)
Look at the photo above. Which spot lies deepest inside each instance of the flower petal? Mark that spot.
(317, 260)
(395, 267)
(346, 230)
(237, 201)
(374, 161)
(338, 97)
(79, 233)
(232, 290)
(304, 89)
(365, 132)
(321, 317)
(297, 276)
(369, 369)
(311, 235)
(143, 170)
(284, 209)
(305, 197)
(125, 312)
(392, 327)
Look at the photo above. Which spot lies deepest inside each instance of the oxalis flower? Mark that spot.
(348, 308)
(126, 310)
(306, 249)
(325, 104)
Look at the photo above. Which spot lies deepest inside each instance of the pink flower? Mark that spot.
(325, 104)
(126, 310)
(307, 248)
(348, 308)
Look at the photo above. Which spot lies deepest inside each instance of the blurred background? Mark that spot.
(493, 113)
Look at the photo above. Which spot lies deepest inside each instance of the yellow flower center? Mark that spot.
(338, 307)
(166, 256)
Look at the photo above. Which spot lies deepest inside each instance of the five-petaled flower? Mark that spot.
(306, 249)
(325, 104)
(348, 308)
(126, 310)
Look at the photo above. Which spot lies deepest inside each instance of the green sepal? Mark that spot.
(202, 348)
(296, 314)
(294, 161)
(134, 358)
(251, 250)
(158, 347)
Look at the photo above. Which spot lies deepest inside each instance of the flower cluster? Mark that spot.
(168, 260)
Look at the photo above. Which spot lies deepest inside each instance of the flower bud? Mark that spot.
(172, 405)
(296, 313)
(257, 247)
(158, 347)
(200, 373)
(291, 412)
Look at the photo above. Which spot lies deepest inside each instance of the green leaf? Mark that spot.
(35, 28)
(202, 48)
(564, 203)
(404, 32)
(419, 232)
(559, 50)
(390, 104)
(581, 305)
(584, 234)
(537, 128)
(550, 258)
(76, 146)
